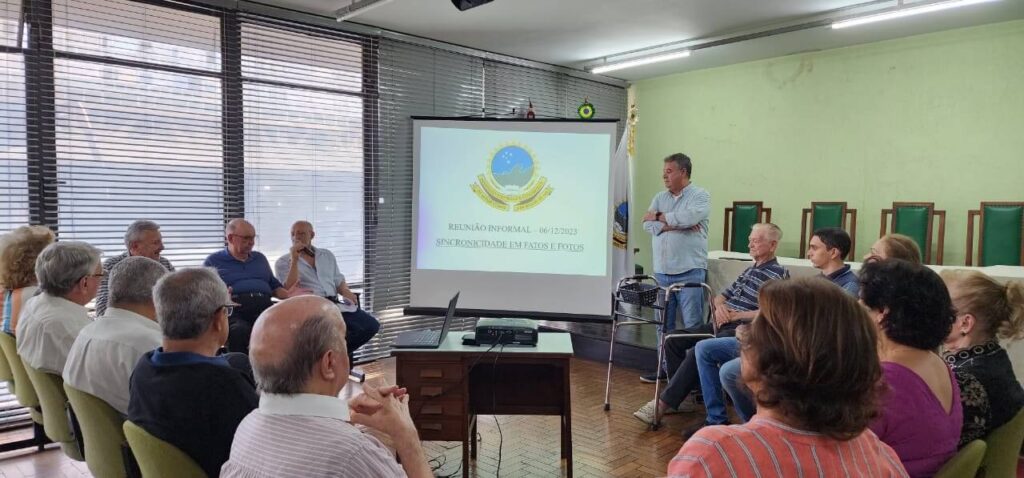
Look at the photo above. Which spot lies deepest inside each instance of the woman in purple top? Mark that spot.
(921, 413)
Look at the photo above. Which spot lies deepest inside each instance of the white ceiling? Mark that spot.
(574, 32)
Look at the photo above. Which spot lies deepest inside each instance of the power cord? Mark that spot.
(494, 404)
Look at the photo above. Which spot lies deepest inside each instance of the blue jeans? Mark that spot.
(711, 354)
(690, 300)
(732, 381)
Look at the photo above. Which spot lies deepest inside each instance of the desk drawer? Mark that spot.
(435, 392)
(440, 429)
(433, 409)
(422, 372)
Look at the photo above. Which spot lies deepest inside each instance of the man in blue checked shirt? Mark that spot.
(678, 222)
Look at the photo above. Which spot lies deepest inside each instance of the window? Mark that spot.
(13, 159)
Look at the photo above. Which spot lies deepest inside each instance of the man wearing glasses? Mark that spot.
(69, 274)
(249, 278)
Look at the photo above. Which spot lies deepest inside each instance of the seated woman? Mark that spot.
(921, 415)
(18, 251)
(817, 385)
(986, 311)
(894, 246)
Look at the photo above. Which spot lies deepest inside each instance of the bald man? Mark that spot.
(315, 270)
(248, 274)
(299, 357)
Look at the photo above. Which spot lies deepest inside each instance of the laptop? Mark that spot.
(427, 339)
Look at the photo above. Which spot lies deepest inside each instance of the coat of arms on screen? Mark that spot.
(512, 181)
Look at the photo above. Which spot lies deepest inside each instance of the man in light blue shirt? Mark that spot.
(316, 270)
(678, 220)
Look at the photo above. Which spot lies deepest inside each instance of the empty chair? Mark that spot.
(101, 430)
(828, 214)
(1000, 234)
(965, 463)
(917, 221)
(739, 219)
(157, 458)
(50, 390)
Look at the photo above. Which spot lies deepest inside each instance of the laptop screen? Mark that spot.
(449, 316)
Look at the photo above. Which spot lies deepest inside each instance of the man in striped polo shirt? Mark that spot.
(736, 305)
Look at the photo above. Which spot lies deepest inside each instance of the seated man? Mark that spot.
(316, 270)
(142, 239)
(826, 251)
(183, 392)
(69, 274)
(106, 351)
(735, 306)
(247, 274)
(301, 365)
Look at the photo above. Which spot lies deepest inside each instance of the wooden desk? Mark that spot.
(449, 386)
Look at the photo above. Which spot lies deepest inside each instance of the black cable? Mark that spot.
(494, 403)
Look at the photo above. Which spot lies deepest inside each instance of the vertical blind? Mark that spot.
(186, 114)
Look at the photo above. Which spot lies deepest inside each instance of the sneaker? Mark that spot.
(689, 404)
(652, 377)
(646, 412)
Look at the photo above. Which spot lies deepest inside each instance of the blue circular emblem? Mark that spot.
(512, 166)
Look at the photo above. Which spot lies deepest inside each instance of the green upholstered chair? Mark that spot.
(739, 219)
(1001, 234)
(102, 432)
(6, 375)
(828, 214)
(965, 463)
(917, 220)
(22, 388)
(54, 403)
(157, 458)
(1003, 448)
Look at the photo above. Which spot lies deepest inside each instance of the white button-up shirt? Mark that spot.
(105, 353)
(307, 436)
(47, 328)
(322, 280)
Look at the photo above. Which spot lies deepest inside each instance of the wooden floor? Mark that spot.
(605, 444)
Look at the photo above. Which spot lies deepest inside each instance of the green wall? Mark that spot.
(937, 117)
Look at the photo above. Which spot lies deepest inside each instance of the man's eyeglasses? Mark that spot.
(228, 308)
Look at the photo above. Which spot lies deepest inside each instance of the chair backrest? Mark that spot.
(916, 220)
(54, 403)
(965, 463)
(6, 375)
(1004, 448)
(101, 430)
(1001, 240)
(23, 388)
(739, 220)
(828, 214)
(157, 458)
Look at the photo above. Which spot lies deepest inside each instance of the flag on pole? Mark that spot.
(622, 248)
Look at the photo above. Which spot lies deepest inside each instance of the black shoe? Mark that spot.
(651, 377)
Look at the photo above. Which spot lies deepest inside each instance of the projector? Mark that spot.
(464, 5)
(506, 331)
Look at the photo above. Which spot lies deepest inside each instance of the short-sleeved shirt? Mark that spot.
(251, 275)
(323, 280)
(770, 449)
(845, 279)
(48, 328)
(322, 443)
(103, 294)
(742, 294)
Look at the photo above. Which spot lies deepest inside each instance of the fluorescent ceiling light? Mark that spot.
(906, 12)
(639, 61)
(357, 7)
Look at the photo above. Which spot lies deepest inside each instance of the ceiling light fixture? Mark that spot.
(903, 11)
(619, 65)
(358, 7)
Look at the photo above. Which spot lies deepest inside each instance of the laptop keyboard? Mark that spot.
(427, 337)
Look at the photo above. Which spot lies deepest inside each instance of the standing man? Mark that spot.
(316, 270)
(678, 220)
(249, 278)
(142, 239)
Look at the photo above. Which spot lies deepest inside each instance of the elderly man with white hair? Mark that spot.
(301, 365)
(142, 239)
(106, 351)
(247, 273)
(69, 274)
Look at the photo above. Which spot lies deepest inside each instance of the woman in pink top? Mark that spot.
(811, 363)
(921, 415)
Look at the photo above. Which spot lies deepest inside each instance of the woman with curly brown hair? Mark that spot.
(18, 251)
(810, 359)
(986, 311)
(921, 415)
